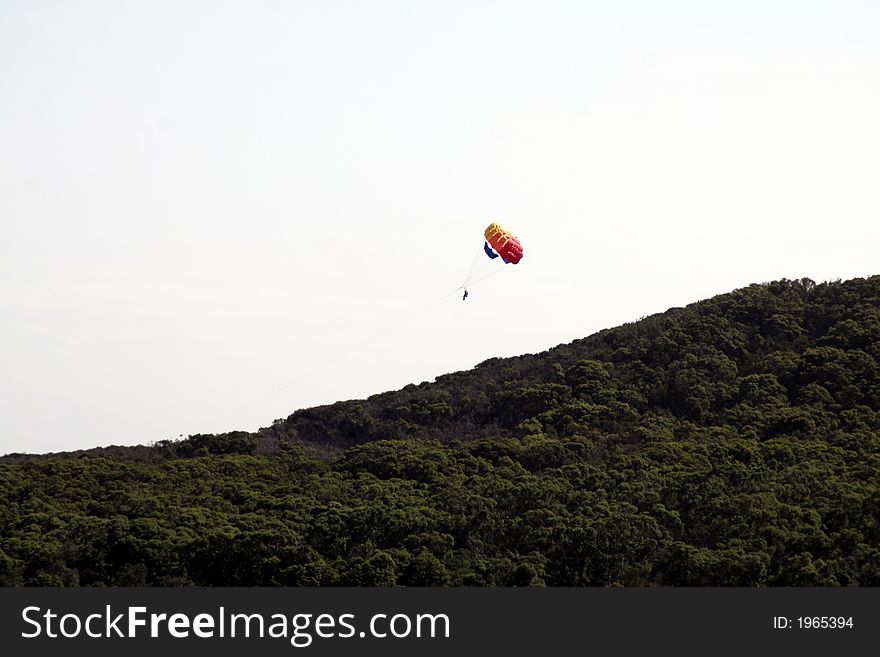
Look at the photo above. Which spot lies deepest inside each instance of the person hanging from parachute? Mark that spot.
(499, 243)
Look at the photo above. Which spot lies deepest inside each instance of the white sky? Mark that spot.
(203, 203)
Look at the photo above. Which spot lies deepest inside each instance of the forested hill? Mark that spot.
(732, 442)
(789, 358)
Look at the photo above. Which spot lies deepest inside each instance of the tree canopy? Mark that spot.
(731, 442)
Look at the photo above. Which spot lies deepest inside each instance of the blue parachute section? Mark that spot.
(491, 253)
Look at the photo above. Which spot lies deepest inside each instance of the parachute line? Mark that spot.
(478, 267)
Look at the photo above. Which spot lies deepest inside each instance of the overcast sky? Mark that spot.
(215, 213)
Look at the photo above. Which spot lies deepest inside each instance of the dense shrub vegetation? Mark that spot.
(732, 442)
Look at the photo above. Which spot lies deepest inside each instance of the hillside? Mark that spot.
(731, 442)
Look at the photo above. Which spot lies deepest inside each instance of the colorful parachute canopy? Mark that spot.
(504, 244)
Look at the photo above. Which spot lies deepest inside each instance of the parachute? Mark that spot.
(499, 244)
(503, 243)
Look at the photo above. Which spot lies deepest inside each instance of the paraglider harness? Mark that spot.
(465, 296)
